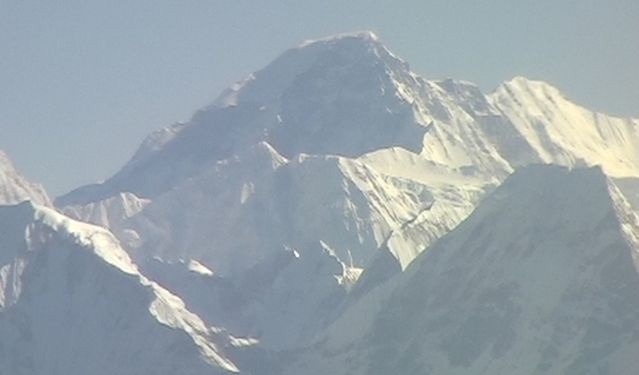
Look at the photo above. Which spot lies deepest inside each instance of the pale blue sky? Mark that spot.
(83, 81)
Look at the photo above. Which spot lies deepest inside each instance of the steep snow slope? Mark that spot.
(562, 132)
(14, 188)
(247, 208)
(71, 302)
(541, 278)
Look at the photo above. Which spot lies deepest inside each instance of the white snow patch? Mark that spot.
(199, 268)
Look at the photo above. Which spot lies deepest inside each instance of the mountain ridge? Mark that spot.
(56, 277)
(432, 98)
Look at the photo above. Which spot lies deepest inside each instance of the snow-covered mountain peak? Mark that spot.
(354, 45)
(14, 188)
(346, 95)
(366, 36)
(562, 132)
(322, 96)
(358, 44)
(531, 86)
(312, 57)
(535, 95)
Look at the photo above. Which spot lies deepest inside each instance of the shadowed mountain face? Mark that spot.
(541, 278)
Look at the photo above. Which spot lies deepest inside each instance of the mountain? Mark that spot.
(14, 188)
(349, 98)
(541, 278)
(326, 119)
(561, 132)
(345, 99)
(314, 183)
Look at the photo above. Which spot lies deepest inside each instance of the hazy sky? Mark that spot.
(83, 81)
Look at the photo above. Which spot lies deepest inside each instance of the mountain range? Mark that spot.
(337, 213)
